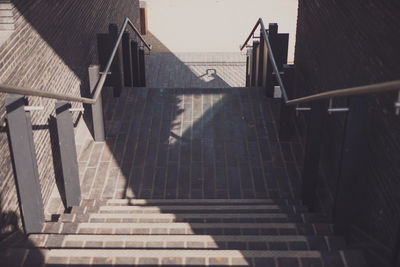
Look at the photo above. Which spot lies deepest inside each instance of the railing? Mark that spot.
(20, 127)
(351, 91)
(356, 122)
(100, 83)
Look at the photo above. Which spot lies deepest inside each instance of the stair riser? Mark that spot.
(191, 218)
(186, 210)
(190, 229)
(185, 202)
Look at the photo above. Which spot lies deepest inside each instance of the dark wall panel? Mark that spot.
(349, 43)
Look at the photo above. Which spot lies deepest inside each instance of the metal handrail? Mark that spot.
(274, 66)
(138, 33)
(35, 92)
(100, 83)
(358, 90)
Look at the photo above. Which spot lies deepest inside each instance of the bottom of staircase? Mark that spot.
(248, 232)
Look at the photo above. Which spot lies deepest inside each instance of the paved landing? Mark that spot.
(190, 143)
(200, 70)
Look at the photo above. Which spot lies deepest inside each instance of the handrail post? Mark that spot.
(97, 108)
(24, 164)
(312, 154)
(127, 58)
(135, 63)
(286, 126)
(143, 17)
(254, 64)
(261, 62)
(142, 67)
(248, 68)
(69, 163)
(270, 79)
(266, 65)
(104, 48)
(117, 73)
(352, 160)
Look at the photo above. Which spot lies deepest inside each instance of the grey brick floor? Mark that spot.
(201, 70)
(190, 143)
(216, 142)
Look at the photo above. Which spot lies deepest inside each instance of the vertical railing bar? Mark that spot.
(274, 66)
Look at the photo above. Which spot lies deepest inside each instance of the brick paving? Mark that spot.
(170, 142)
(190, 143)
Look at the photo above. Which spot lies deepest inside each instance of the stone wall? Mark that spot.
(51, 48)
(349, 43)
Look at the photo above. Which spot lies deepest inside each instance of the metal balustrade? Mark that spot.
(263, 62)
(351, 91)
(19, 125)
(64, 97)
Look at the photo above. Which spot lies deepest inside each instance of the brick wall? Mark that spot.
(53, 44)
(349, 43)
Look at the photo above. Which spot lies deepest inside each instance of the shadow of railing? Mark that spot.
(185, 143)
(188, 143)
(13, 241)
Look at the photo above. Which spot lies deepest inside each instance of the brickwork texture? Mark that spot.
(53, 44)
(190, 143)
(350, 43)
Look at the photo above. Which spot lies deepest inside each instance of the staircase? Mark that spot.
(227, 232)
(202, 187)
(238, 210)
(231, 217)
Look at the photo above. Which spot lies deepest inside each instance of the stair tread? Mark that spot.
(260, 242)
(165, 238)
(185, 256)
(184, 253)
(197, 207)
(268, 208)
(190, 228)
(185, 216)
(85, 202)
(186, 225)
(192, 209)
(190, 218)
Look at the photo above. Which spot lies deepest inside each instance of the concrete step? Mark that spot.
(9, 20)
(161, 202)
(269, 208)
(190, 228)
(7, 26)
(244, 242)
(191, 217)
(5, 5)
(126, 257)
(6, 12)
(185, 217)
